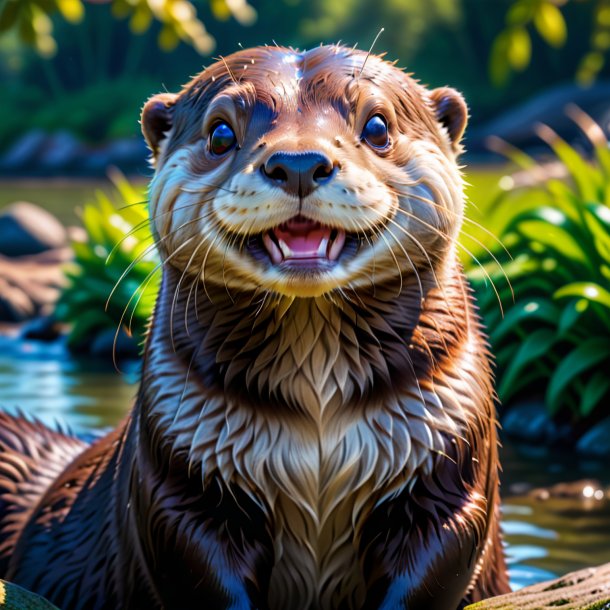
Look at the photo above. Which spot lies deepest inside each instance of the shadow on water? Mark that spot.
(545, 538)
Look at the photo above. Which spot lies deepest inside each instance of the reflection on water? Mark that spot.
(43, 380)
(544, 538)
(547, 538)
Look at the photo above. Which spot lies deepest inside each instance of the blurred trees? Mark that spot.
(32, 19)
(512, 48)
(104, 57)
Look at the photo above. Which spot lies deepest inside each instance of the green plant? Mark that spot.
(178, 19)
(555, 336)
(113, 283)
(512, 47)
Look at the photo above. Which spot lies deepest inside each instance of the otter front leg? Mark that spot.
(422, 549)
(211, 551)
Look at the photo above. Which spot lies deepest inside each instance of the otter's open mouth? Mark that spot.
(301, 242)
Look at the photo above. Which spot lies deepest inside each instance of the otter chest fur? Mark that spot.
(315, 425)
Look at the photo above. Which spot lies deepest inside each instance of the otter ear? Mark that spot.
(156, 120)
(451, 112)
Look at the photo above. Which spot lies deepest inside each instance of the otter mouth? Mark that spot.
(303, 243)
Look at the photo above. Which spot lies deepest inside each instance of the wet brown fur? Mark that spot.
(297, 441)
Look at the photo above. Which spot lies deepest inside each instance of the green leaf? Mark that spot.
(550, 24)
(596, 388)
(499, 68)
(594, 391)
(579, 360)
(586, 290)
(520, 13)
(535, 346)
(569, 316)
(9, 15)
(519, 48)
(537, 309)
(586, 178)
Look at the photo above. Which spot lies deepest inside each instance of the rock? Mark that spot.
(587, 589)
(518, 126)
(41, 329)
(529, 422)
(103, 345)
(30, 285)
(27, 229)
(24, 151)
(596, 442)
(13, 597)
(60, 150)
(128, 151)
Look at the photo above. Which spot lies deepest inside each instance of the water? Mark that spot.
(544, 538)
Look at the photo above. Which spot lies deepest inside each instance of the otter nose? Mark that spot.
(298, 173)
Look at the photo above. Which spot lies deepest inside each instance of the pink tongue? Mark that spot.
(303, 237)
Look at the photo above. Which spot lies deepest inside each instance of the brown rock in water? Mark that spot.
(30, 285)
(587, 589)
(27, 229)
(33, 247)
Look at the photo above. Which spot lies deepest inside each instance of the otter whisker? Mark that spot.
(395, 262)
(465, 219)
(381, 31)
(126, 308)
(404, 251)
(131, 205)
(147, 251)
(205, 259)
(176, 294)
(148, 221)
(432, 270)
(206, 190)
(224, 277)
(370, 243)
(460, 245)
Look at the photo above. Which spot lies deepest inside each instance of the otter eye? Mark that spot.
(222, 139)
(375, 132)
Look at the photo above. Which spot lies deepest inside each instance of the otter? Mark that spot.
(315, 426)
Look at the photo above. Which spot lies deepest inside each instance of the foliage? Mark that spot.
(96, 113)
(178, 18)
(113, 282)
(555, 336)
(512, 48)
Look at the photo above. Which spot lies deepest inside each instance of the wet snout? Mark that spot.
(298, 173)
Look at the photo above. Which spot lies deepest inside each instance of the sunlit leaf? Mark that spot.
(550, 23)
(499, 67)
(585, 290)
(536, 309)
(72, 10)
(519, 48)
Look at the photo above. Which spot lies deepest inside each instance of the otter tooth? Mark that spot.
(272, 249)
(336, 246)
(321, 253)
(286, 251)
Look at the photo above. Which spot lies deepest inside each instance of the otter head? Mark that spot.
(306, 173)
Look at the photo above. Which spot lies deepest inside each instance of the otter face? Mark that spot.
(305, 173)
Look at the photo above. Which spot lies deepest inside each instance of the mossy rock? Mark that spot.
(583, 590)
(13, 597)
